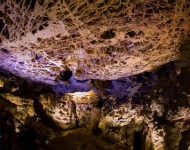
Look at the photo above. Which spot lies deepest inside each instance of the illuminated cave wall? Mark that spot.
(104, 39)
(118, 97)
(155, 117)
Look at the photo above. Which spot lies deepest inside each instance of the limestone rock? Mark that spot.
(1, 83)
(94, 39)
(68, 112)
(16, 99)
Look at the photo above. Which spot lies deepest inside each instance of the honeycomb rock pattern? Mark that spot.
(104, 39)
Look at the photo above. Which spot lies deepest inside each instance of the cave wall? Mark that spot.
(94, 74)
(155, 117)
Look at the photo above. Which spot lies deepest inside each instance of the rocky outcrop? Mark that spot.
(70, 111)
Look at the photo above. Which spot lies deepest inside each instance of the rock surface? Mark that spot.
(102, 39)
(94, 74)
(154, 117)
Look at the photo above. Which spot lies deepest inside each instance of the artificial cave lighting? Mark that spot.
(83, 97)
(82, 94)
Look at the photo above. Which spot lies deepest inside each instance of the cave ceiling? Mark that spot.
(104, 39)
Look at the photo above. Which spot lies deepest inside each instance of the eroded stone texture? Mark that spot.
(102, 39)
(90, 61)
(68, 112)
(148, 111)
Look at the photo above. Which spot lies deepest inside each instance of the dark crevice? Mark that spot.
(45, 119)
(6, 33)
(30, 4)
(169, 21)
(41, 27)
(40, 2)
(75, 35)
(149, 11)
(92, 14)
(2, 14)
(82, 7)
(5, 51)
(96, 130)
(93, 42)
(34, 31)
(171, 1)
(183, 144)
(90, 1)
(2, 24)
(45, 24)
(3, 29)
(137, 141)
(68, 20)
(74, 112)
(131, 33)
(45, 19)
(92, 22)
(108, 34)
(101, 5)
(2, 1)
(7, 132)
(100, 84)
(52, 3)
(65, 75)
